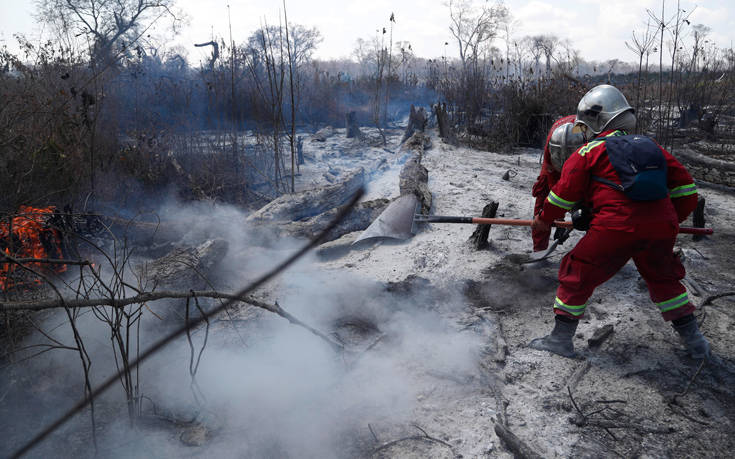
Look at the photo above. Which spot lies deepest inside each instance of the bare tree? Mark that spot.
(473, 26)
(546, 45)
(641, 46)
(110, 25)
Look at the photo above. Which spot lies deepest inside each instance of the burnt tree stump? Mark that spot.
(353, 130)
(442, 120)
(300, 149)
(480, 236)
(698, 218)
(417, 120)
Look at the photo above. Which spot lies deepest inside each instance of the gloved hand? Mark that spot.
(581, 218)
(540, 225)
(562, 234)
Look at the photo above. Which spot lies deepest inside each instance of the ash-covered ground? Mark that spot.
(436, 336)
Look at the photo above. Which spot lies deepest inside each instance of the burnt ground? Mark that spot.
(635, 395)
(437, 336)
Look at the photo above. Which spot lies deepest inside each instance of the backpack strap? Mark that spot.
(605, 181)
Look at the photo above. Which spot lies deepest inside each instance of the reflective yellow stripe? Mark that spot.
(673, 303)
(684, 190)
(559, 202)
(586, 149)
(573, 310)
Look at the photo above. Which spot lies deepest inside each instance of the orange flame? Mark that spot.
(29, 232)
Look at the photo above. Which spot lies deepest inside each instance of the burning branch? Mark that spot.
(28, 238)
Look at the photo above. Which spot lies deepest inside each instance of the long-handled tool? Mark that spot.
(398, 221)
(418, 218)
(567, 226)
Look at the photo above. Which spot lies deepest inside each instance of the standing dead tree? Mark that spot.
(215, 52)
(641, 46)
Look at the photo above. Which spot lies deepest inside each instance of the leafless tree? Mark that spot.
(546, 45)
(474, 26)
(641, 45)
(111, 25)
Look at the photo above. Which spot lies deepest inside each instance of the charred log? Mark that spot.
(322, 134)
(360, 218)
(185, 267)
(414, 179)
(703, 167)
(517, 446)
(305, 204)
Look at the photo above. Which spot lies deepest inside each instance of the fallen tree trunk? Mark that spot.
(360, 218)
(304, 204)
(185, 267)
(414, 179)
(705, 168)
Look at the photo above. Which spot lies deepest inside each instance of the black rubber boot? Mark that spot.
(688, 330)
(560, 341)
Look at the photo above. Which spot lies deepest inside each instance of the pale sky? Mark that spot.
(598, 29)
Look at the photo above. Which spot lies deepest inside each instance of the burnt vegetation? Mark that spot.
(98, 120)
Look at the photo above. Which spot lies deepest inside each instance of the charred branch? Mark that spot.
(517, 446)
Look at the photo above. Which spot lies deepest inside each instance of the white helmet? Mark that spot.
(600, 106)
(563, 143)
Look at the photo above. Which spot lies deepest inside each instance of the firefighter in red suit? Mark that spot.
(620, 229)
(547, 178)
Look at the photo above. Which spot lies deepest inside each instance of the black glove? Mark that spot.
(562, 234)
(581, 218)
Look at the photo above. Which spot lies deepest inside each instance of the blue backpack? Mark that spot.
(640, 165)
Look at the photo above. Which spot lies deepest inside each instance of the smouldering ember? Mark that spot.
(27, 235)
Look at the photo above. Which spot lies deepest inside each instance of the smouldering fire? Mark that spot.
(27, 235)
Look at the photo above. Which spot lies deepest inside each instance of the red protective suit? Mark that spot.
(621, 229)
(547, 178)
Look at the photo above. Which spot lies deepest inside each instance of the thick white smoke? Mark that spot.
(265, 387)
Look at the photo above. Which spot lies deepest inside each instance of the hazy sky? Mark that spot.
(598, 29)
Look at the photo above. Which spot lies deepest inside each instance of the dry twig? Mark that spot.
(424, 437)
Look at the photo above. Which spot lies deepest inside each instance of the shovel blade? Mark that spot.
(395, 222)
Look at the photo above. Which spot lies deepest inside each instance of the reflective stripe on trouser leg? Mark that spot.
(576, 311)
(674, 303)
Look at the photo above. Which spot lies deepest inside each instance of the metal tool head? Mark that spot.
(396, 221)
